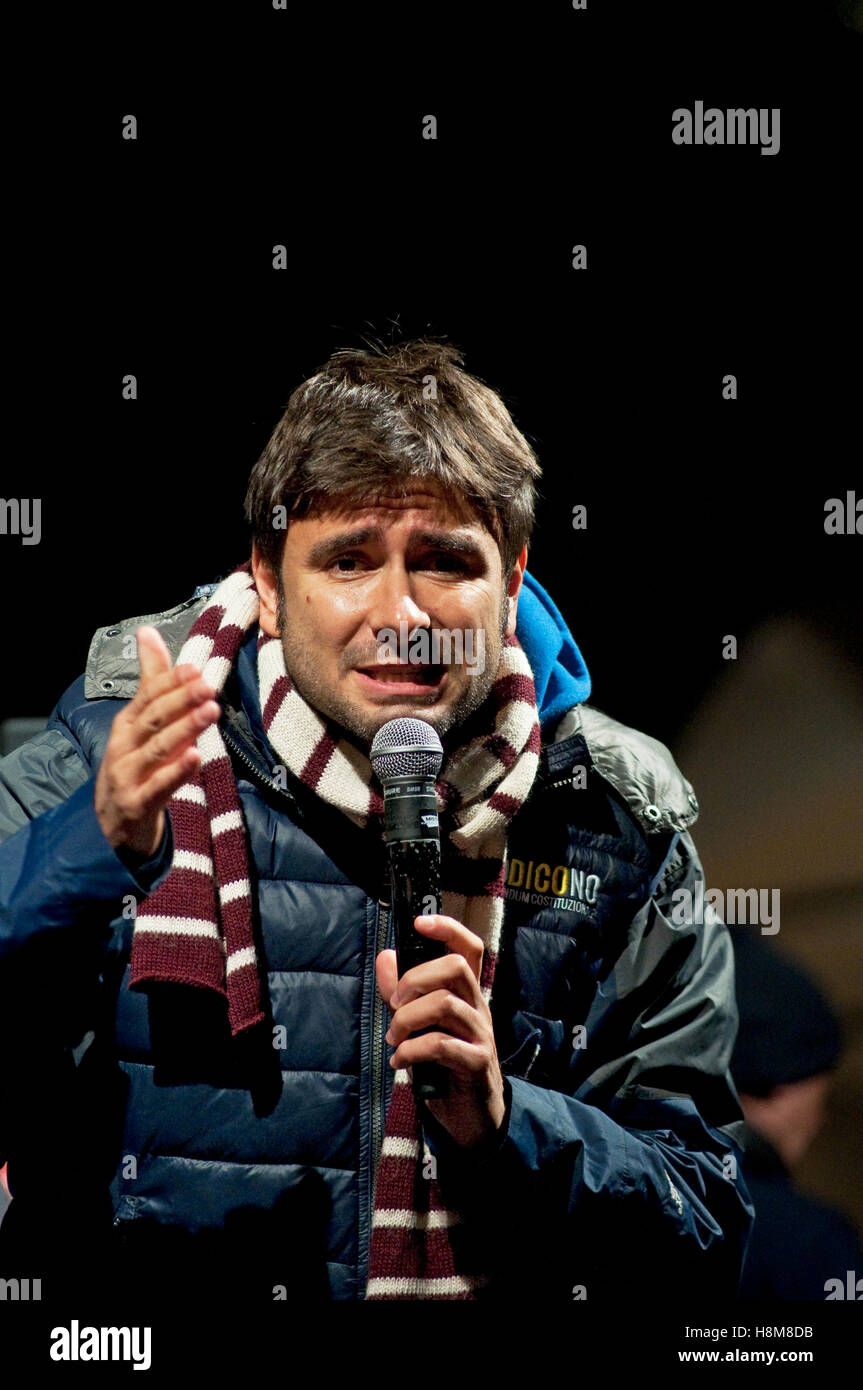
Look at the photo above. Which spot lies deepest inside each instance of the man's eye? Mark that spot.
(448, 563)
(441, 561)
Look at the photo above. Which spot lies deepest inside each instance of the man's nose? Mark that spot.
(395, 602)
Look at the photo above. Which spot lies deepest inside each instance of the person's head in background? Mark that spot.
(788, 1044)
(850, 13)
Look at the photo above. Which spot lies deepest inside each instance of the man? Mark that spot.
(788, 1046)
(196, 877)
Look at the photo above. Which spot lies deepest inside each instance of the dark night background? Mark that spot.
(257, 128)
(705, 517)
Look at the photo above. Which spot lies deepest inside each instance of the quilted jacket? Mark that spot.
(140, 1135)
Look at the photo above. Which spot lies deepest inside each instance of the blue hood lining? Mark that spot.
(559, 670)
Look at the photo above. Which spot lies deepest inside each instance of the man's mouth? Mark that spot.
(401, 680)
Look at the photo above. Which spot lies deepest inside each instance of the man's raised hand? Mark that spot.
(151, 750)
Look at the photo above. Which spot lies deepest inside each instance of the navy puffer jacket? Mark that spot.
(138, 1132)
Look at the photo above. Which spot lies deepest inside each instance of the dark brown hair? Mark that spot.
(376, 422)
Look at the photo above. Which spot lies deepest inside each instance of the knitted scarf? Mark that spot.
(196, 928)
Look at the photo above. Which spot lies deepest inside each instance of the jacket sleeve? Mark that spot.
(630, 1185)
(61, 885)
(61, 882)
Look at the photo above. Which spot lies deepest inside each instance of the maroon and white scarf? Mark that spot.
(196, 928)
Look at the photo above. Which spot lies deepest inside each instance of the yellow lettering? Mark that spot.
(516, 873)
(562, 870)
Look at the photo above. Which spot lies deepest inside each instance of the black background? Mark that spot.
(258, 127)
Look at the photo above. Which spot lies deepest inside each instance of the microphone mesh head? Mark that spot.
(406, 748)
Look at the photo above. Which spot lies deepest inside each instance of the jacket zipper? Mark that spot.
(378, 1071)
(378, 1080)
(258, 775)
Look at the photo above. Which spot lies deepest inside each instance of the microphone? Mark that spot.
(406, 756)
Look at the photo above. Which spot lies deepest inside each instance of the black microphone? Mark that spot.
(406, 755)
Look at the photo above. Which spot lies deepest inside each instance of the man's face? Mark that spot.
(398, 566)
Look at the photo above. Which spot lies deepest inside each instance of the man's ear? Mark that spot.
(514, 589)
(265, 583)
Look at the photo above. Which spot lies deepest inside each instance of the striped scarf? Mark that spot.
(196, 928)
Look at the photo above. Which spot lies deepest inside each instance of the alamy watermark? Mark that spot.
(844, 516)
(850, 1288)
(21, 518)
(77, 1343)
(437, 646)
(753, 126)
(734, 906)
(20, 1290)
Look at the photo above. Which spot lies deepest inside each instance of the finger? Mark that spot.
(453, 1053)
(450, 972)
(153, 655)
(165, 745)
(161, 785)
(442, 1010)
(387, 974)
(152, 652)
(455, 936)
(124, 731)
(166, 709)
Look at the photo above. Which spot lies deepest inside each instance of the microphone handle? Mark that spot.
(415, 888)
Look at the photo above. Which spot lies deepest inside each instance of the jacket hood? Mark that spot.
(559, 671)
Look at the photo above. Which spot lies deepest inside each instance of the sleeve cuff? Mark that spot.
(148, 872)
(60, 869)
(481, 1156)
